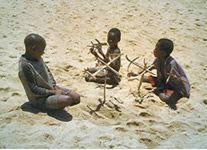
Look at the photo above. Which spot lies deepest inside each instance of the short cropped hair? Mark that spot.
(166, 45)
(33, 40)
(117, 32)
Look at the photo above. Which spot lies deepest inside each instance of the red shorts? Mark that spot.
(154, 83)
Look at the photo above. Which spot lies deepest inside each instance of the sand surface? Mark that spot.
(68, 27)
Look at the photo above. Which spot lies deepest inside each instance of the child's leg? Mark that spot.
(73, 95)
(61, 101)
(88, 78)
(58, 101)
(169, 96)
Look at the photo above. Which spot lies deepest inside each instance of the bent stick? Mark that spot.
(109, 67)
(136, 64)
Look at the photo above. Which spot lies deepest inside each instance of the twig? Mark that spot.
(95, 45)
(116, 106)
(90, 74)
(118, 100)
(141, 79)
(92, 111)
(132, 62)
(109, 67)
(104, 85)
(168, 78)
(145, 70)
(107, 64)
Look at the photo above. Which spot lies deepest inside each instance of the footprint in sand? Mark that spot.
(120, 129)
(205, 101)
(136, 124)
(46, 137)
(144, 114)
(148, 142)
(16, 94)
(5, 89)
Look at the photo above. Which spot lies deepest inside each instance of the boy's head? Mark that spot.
(163, 48)
(113, 37)
(35, 46)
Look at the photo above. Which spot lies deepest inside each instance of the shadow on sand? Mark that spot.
(61, 114)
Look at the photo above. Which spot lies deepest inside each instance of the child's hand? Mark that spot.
(93, 52)
(176, 79)
(58, 91)
(99, 47)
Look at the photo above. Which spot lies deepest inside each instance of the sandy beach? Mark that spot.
(122, 122)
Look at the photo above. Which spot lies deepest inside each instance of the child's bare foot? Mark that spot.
(148, 88)
(88, 78)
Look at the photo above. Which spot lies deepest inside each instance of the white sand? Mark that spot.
(68, 27)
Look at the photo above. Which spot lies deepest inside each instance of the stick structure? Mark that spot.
(109, 67)
(94, 74)
(146, 70)
(137, 64)
(104, 85)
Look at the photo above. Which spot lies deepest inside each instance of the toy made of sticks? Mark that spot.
(136, 64)
(105, 68)
(96, 47)
(144, 68)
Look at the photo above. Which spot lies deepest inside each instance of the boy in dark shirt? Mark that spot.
(37, 80)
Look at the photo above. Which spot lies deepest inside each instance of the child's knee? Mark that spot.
(168, 98)
(77, 99)
(88, 78)
(164, 97)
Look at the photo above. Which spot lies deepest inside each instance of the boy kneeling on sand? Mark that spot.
(37, 80)
(171, 78)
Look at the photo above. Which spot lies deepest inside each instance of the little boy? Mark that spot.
(170, 74)
(113, 37)
(37, 80)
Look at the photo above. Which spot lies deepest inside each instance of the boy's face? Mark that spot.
(38, 50)
(158, 53)
(112, 39)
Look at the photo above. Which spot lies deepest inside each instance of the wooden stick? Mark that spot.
(141, 79)
(145, 70)
(131, 61)
(136, 64)
(107, 64)
(170, 74)
(109, 67)
(91, 75)
(93, 45)
(168, 78)
(94, 74)
(92, 111)
(104, 85)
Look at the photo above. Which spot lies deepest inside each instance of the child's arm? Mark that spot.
(51, 76)
(99, 47)
(95, 53)
(56, 91)
(29, 76)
